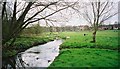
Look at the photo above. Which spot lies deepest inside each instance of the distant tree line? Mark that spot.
(36, 29)
(33, 30)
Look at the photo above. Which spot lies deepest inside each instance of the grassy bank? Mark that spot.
(22, 43)
(77, 51)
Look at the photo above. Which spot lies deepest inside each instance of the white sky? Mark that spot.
(72, 18)
(75, 20)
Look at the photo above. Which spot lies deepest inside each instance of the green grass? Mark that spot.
(86, 57)
(77, 51)
(25, 42)
(104, 39)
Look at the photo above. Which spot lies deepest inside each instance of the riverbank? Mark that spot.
(23, 43)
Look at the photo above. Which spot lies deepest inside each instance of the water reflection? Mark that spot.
(39, 56)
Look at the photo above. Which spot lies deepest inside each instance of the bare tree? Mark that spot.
(18, 15)
(95, 13)
(16, 18)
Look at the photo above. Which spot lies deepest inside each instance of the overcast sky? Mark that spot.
(75, 20)
(70, 17)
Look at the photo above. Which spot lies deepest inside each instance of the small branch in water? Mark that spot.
(21, 61)
(33, 52)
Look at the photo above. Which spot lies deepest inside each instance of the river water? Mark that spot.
(39, 56)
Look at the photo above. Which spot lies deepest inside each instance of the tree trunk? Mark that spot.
(94, 37)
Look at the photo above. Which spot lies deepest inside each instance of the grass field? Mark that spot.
(77, 51)
(104, 39)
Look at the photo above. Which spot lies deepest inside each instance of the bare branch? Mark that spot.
(47, 15)
(108, 17)
(103, 8)
(40, 11)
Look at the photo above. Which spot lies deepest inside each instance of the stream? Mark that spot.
(39, 56)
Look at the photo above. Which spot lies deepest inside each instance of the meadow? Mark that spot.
(77, 51)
